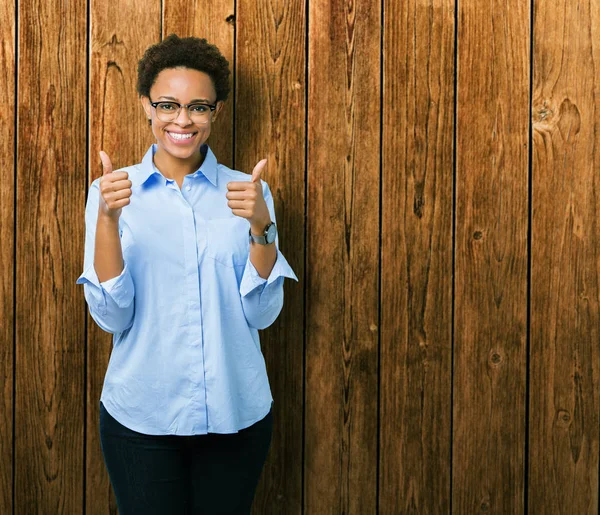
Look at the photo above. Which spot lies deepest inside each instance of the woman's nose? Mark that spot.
(183, 118)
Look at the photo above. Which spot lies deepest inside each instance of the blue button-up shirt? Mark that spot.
(186, 309)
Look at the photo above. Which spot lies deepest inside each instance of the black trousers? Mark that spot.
(213, 474)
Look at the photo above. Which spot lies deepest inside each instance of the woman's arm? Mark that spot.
(108, 255)
(262, 256)
(247, 200)
(110, 292)
(261, 291)
(115, 191)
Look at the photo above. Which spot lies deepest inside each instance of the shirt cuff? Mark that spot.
(252, 280)
(119, 289)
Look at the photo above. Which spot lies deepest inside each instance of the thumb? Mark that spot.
(258, 169)
(106, 164)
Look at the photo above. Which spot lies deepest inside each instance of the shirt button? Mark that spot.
(188, 187)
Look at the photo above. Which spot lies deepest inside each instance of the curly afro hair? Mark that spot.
(195, 53)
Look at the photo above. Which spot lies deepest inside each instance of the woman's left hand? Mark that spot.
(246, 200)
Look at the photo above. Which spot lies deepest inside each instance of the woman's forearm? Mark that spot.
(108, 256)
(263, 257)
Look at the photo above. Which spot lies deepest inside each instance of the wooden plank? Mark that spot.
(119, 126)
(416, 255)
(214, 21)
(565, 262)
(50, 337)
(491, 257)
(342, 257)
(270, 122)
(7, 220)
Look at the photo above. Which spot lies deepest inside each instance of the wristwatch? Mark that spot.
(268, 236)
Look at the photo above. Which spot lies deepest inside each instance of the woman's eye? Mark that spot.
(198, 108)
(167, 107)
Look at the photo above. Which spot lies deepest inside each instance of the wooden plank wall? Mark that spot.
(435, 169)
(491, 222)
(49, 340)
(416, 257)
(342, 257)
(565, 256)
(7, 265)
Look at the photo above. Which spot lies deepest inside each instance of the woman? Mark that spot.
(182, 266)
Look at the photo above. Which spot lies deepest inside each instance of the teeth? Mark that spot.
(174, 135)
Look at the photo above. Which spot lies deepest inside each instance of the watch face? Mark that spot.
(271, 233)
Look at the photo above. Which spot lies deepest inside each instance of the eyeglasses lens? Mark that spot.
(169, 111)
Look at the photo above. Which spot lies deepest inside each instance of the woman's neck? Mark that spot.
(176, 169)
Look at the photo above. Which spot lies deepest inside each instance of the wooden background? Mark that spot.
(435, 169)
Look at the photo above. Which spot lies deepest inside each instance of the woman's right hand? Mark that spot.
(115, 189)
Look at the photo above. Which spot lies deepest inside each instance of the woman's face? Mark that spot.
(182, 85)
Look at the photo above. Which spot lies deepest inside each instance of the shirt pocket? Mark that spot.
(227, 240)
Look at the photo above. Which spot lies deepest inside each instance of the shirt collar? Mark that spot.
(208, 167)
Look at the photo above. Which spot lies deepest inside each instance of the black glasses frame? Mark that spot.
(212, 107)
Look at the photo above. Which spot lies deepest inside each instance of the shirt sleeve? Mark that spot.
(110, 302)
(262, 299)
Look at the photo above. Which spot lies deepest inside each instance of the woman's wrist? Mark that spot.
(106, 219)
(258, 229)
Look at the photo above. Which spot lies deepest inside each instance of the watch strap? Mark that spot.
(262, 239)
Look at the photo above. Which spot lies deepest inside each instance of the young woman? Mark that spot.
(182, 266)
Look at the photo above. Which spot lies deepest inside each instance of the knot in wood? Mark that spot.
(563, 418)
(569, 120)
(543, 113)
(495, 358)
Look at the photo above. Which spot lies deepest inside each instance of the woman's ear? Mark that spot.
(147, 107)
(216, 112)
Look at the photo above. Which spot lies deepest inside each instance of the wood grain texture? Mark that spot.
(215, 21)
(342, 257)
(118, 126)
(565, 262)
(436, 450)
(416, 258)
(491, 257)
(7, 220)
(270, 122)
(50, 323)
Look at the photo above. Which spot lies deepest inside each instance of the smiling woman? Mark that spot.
(180, 132)
(182, 265)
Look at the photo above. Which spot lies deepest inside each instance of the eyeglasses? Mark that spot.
(169, 111)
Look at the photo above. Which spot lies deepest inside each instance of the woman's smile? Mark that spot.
(181, 138)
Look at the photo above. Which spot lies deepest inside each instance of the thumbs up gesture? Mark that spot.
(246, 200)
(115, 189)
